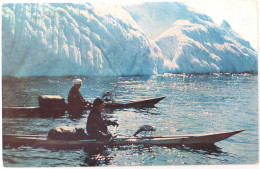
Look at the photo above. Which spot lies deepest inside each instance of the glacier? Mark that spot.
(101, 39)
(194, 48)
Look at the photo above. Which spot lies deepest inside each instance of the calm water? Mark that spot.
(194, 104)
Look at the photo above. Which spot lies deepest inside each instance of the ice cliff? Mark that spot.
(112, 40)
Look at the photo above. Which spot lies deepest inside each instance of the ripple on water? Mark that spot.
(194, 104)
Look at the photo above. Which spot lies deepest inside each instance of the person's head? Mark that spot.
(98, 104)
(77, 83)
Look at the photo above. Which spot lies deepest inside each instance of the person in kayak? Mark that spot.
(96, 126)
(75, 98)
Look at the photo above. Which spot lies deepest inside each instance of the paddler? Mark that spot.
(75, 98)
(96, 126)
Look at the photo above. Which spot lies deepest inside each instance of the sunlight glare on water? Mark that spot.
(193, 104)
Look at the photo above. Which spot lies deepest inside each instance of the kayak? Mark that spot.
(30, 111)
(42, 111)
(167, 140)
(135, 103)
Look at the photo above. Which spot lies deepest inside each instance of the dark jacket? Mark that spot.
(96, 126)
(75, 97)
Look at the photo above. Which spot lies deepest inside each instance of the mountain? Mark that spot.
(98, 39)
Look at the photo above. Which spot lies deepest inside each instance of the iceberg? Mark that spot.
(197, 48)
(73, 39)
(99, 39)
(191, 42)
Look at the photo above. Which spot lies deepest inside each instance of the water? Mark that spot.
(193, 104)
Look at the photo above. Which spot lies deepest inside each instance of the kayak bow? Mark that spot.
(134, 103)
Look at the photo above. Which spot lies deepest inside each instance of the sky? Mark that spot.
(240, 14)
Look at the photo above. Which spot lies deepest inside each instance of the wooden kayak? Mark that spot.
(135, 103)
(168, 140)
(36, 111)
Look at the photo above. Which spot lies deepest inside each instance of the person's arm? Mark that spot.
(100, 134)
(85, 102)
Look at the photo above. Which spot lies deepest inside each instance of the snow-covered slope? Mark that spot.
(191, 42)
(71, 39)
(197, 48)
(111, 40)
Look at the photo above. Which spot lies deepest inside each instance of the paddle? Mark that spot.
(114, 131)
(144, 128)
(113, 134)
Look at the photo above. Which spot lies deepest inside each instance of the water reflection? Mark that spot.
(97, 155)
(210, 149)
(76, 113)
(108, 111)
(181, 112)
(32, 113)
(147, 110)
